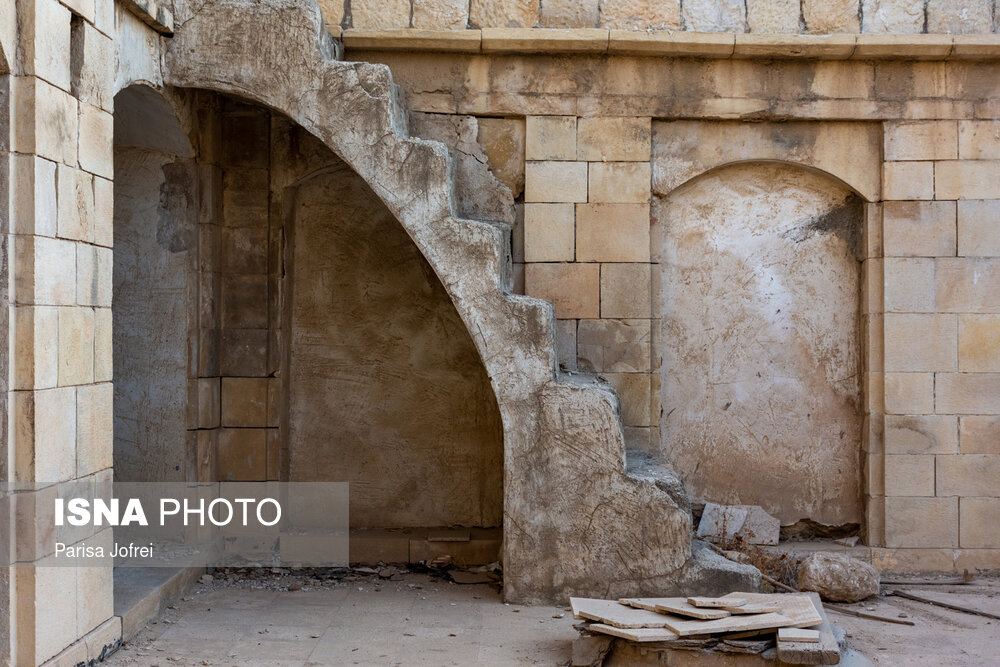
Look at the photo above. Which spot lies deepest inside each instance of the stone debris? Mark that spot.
(838, 578)
(749, 523)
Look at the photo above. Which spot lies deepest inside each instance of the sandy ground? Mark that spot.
(419, 620)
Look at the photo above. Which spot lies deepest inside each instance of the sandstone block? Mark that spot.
(94, 59)
(93, 275)
(773, 16)
(46, 39)
(909, 285)
(909, 180)
(244, 402)
(979, 343)
(209, 403)
(968, 475)
(609, 139)
(978, 140)
(76, 204)
(919, 229)
(208, 445)
(45, 270)
(968, 285)
(967, 179)
(45, 435)
(94, 428)
(244, 249)
(34, 203)
(569, 14)
(921, 522)
(36, 346)
(440, 14)
(103, 212)
(273, 454)
(641, 14)
(909, 393)
(921, 342)
(714, 15)
(549, 232)
(244, 301)
(921, 140)
(921, 434)
(46, 122)
(380, 14)
(103, 343)
(242, 353)
(97, 131)
(566, 344)
(978, 521)
(76, 345)
(95, 597)
(555, 182)
(242, 455)
(959, 17)
(550, 138)
(503, 13)
(831, 16)
(892, 16)
(967, 393)
(909, 475)
(573, 288)
(625, 290)
(838, 578)
(979, 434)
(722, 524)
(979, 228)
(503, 141)
(612, 233)
(634, 392)
(619, 182)
(614, 346)
(333, 13)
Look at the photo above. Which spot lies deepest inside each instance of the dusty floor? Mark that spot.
(417, 620)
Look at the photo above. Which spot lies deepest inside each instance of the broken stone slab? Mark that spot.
(724, 523)
(838, 578)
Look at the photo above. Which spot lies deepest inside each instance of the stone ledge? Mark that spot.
(679, 44)
(153, 14)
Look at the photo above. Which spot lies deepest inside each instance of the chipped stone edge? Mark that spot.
(153, 14)
(679, 44)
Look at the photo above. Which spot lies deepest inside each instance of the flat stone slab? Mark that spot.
(611, 612)
(678, 606)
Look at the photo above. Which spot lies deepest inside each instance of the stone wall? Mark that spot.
(814, 17)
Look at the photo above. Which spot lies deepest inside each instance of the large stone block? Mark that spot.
(94, 428)
(103, 212)
(773, 16)
(959, 17)
(36, 346)
(209, 403)
(979, 434)
(45, 26)
(504, 13)
(612, 233)
(921, 434)
(967, 393)
(909, 180)
(503, 141)
(968, 475)
(623, 139)
(550, 138)
(634, 392)
(979, 228)
(94, 66)
(910, 285)
(93, 275)
(380, 14)
(244, 402)
(831, 16)
(244, 301)
(968, 285)
(909, 393)
(569, 14)
(978, 140)
(619, 182)
(566, 344)
(979, 343)
(76, 204)
(45, 270)
(243, 353)
(242, 455)
(555, 182)
(714, 15)
(625, 290)
(96, 141)
(919, 229)
(45, 434)
(614, 346)
(921, 342)
(573, 288)
(921, 522)
(103, 345)
(892, 16)
(549, 232)
(978, 521)
(33, 205)
(967, 179)
(921, 140)
(333, 13)
(76, 345)
(46, 122)
(440, 14)
(909, 475)
(244, 249)
(641, 14)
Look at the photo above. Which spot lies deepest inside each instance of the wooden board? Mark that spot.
(796, 606)
(686, 627)
(826, 652)
(798, 635)
(635, 634)
(614, 613)
(714, 603)
(753, 608)
(676, 606)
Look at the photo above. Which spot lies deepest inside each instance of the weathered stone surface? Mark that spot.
(641, 14)
(380, 14)
(440, 14)
(569, 14)
(549, 232)
(550, 138)
(615, 346)
(714, 15)
(503, 141)
(333, 12)
(838, 578)
(892, 16)
(749, 523)
(504, 13)
(773, 16)
(831, 16)
(959, 17)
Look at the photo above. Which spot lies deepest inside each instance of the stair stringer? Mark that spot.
(574, 521)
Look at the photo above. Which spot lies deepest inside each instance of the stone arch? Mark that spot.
(768, 383)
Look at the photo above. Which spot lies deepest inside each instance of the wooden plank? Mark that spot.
(685, 628)
(676, 606)
(826, 652)
(754, 608)
(713, 603)
(796, 606)
(798, 635)
(613, 613)
(635, 634)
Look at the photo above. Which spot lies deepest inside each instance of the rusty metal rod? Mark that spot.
(946, 605)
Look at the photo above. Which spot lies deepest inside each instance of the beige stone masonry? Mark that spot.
(619, 182)
(909, 180)
(438, 14)
(555, 182)
(625, 290)
(979, 228)
(641, 15)
(242, 454)
(921, 434)
(550, 138)
(676, 44)
(967, 179)
(909, 475)
(611, 139)
(76, 345)
(824, 47)
(909, 393)
(921, 342)
(35, 331)
(503, 13)
(968, 285)
(925, 140)
(614, 346)
(442, 41)
(94, 428)
(921, 522)
(979, 139)
(967, 475)
(919, 229)
(503, 141)
(910, 285)
(978, 521)
(526, 40)
(831, 16)
(967, 393)
(549, 233)
(573, 288)
(979, 434)
(244, 402)
(380, 14)
(612, 233)
(569, 13)
(634, 392)
(979, 343)
(959, 16)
